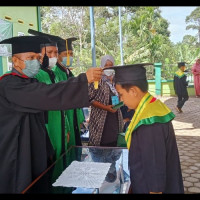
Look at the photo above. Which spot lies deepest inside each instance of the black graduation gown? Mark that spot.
(180, 85)
(23, 151)
(154, 160)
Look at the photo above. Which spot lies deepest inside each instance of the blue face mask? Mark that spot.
(32, 68)
(64, 61)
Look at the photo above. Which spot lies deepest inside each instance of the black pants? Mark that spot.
(181, 100)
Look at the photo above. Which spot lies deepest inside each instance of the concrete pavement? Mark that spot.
(187, 130)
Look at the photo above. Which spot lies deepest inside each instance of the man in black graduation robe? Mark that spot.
(153, 154)
(23, 137)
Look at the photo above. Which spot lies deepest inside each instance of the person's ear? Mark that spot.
(133, 91)
(60, 58)
(15, 61)
(16, 64)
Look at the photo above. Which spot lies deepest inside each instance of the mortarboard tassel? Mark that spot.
(96, 84)
(68, 60)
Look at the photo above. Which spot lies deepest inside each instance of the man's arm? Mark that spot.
(64, 95)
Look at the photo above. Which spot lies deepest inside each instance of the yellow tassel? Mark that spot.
(68, 60)
(96, 84)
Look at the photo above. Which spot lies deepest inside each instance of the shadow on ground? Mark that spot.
(191, 111)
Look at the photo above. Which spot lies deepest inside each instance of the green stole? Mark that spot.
(179, 73)
(61, 76)
(149, 111)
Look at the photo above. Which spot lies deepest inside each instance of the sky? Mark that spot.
(176, 16)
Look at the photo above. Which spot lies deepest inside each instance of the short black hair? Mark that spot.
(142, 84)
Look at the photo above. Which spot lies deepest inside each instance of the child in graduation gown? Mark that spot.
(180, 86)
(153, 154)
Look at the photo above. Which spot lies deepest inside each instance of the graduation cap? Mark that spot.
(61, 43)
(180, 64)
(52, 38)
(130, 74)
(65, 45)
(22, 44)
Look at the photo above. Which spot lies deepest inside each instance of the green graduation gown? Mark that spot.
(57, 130)
(56, 123)
(75, 116)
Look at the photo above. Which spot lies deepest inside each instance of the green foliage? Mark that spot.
(145, 35)
(194, 20)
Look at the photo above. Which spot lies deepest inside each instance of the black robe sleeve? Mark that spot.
(64, 95)
(154, 160)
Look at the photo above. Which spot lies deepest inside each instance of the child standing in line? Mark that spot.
(180, 86)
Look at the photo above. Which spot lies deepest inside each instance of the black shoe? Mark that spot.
(179, 110)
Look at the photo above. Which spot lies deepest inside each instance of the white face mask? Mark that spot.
(109, 72)
(52, 62)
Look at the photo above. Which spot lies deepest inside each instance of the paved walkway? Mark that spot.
(187, 130)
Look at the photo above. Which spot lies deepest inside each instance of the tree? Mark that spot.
(189, 39)
(145, 36)
(194, 19)
(149, 32)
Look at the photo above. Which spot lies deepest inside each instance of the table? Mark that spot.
(116, 181)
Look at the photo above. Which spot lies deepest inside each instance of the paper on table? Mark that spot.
(83, 174)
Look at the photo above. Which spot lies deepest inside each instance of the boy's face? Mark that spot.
(183, 68)
(130, 98)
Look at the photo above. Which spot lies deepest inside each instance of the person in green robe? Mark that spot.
(56, 122)
(63, 72)
(57, 125)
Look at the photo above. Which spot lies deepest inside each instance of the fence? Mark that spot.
(168, 71)
(160, 79)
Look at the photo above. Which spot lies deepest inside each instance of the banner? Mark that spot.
(5, 32)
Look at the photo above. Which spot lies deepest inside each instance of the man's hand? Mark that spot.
(94, 74)
(126, 120)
